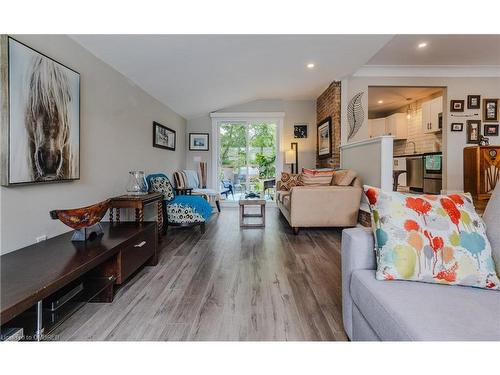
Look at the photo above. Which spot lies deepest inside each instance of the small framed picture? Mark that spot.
(457, 127)
(300, 131)
(490, 130)
(473, 101)
(490, 109)
(325, 138)
(198, 141)
(163, 137)
(457, 105)
(473, 131)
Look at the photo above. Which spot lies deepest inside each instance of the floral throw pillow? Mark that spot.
(163, 185)
(430, 238)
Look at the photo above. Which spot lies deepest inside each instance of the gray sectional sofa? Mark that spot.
(404, 310)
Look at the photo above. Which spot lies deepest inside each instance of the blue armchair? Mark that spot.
(179, 210)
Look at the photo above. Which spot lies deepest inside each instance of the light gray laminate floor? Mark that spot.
(228, 284)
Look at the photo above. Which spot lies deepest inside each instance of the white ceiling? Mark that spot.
(440, 50)
(395, 97)
(198, 74)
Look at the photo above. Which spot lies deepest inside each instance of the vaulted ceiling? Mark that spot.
(197, 74)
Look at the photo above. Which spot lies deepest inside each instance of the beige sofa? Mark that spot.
(320, 206)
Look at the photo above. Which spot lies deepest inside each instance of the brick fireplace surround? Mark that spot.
(328, 105)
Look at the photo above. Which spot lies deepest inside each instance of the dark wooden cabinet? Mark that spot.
(481, 170)
(131, 257)
(34, 277)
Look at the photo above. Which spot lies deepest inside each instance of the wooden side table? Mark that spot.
(243, 215)
(137, 202)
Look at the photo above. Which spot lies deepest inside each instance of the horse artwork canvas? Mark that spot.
(43, 123)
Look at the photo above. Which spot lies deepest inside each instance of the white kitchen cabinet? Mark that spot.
(376, 127)
(426, 116)
(436, 109)
(430, 115)
(397, 125)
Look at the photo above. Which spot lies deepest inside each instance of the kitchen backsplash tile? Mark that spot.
(424, 142)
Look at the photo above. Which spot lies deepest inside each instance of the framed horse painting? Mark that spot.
(40, 120)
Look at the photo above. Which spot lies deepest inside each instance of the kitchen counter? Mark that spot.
(407, 155)
(418, 154)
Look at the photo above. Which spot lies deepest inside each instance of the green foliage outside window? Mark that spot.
(262, 147)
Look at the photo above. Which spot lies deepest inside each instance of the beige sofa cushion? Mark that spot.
(287, 201)
(280, 194)
(317, 206)
(344, 177)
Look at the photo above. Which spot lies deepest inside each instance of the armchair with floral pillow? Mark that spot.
(179, 210)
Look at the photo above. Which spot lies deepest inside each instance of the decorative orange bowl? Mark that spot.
(84, 217)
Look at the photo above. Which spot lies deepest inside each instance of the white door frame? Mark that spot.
(218, 117)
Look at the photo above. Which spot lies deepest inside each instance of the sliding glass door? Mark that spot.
(247, 158)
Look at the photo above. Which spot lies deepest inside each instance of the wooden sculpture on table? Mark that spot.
(85, 220)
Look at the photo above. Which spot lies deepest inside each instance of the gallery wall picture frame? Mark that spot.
(473, 131)
(40, 117)
(457, 127)
(199, 141)
(490, 130)
(473, 101)
(300, 130)
(490, 110)
(457, 105)
(324, 138)
(163, 137)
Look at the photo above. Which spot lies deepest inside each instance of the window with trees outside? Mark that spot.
(247, 159)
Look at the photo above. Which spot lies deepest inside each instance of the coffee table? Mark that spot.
(243, 215)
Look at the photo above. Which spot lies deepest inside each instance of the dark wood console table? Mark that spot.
(33, 275)
(137, 202)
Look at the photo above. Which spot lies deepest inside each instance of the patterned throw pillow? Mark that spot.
(163, 185)
(320, 177)
(430, 238)
(182, 214)
(289, 180)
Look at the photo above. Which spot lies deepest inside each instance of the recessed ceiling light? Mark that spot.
(422, 45)
(380, 102)
(310, 65)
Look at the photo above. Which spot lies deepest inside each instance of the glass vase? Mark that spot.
(137, 183)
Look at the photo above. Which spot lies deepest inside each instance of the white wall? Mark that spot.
(370, 159)
(455, 88)
(116, 137)
(296, 111)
